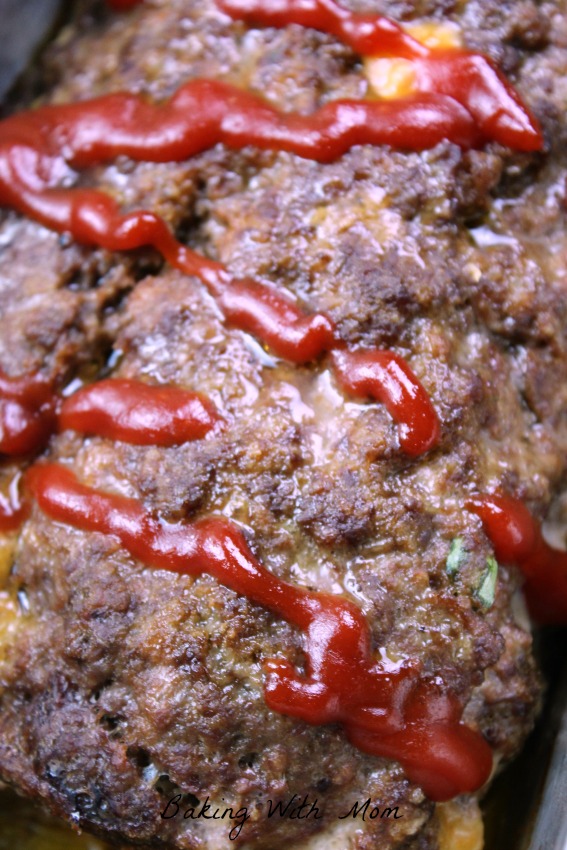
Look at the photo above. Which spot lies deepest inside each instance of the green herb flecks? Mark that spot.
(456, 557)
(487, 588)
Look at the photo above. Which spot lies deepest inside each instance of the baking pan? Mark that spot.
(526, 808)
(24, 26)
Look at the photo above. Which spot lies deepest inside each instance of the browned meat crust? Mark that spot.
(122, 685)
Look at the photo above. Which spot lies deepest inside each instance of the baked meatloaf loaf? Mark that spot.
(275, 450)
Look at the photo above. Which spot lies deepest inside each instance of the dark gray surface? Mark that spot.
(550, 830)
(23, 26)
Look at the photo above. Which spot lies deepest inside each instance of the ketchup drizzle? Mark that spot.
(387, 378)
(517, 539)
(385, 708)
(367, 34)
(470, 79)
(123, 5)
(27, 414)
(134, 412)
(126, 410)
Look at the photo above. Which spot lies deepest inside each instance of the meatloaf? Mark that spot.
(123, 687)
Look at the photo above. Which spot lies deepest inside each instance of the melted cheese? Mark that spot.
(460, 825)
(392, 78)
(435, 35)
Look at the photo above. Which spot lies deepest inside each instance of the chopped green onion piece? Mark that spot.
(487, 588)
(457, 556)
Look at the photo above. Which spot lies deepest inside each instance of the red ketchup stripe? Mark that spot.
(134, 412)
(517, 539)
(127, 410)
(386, 377)
(123, 5)
(366, 34)
(452, 753)
(203, 113)
(27, 414)
(475, 82)
(385, 708)
(273, 318)
(471, 79)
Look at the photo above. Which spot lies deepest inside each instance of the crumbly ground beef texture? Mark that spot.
(121, 686)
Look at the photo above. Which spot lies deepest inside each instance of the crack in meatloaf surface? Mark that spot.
(121, 685)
